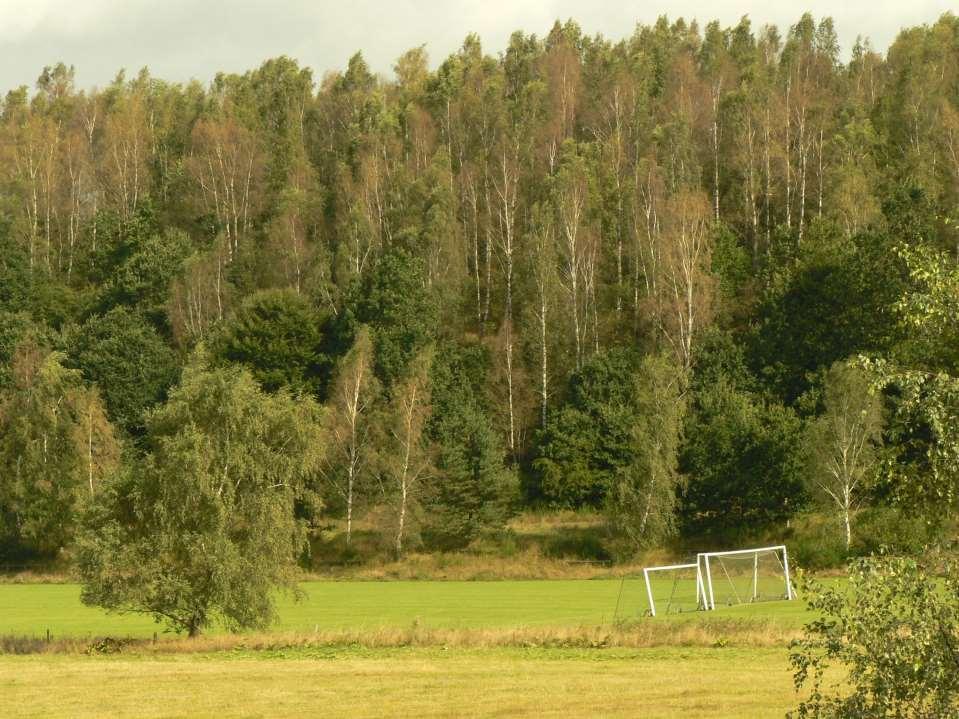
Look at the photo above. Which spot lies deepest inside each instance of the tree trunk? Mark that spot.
(401, 525)
(349, 507)
(543, 357)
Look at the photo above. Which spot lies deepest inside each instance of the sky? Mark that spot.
(181, 40)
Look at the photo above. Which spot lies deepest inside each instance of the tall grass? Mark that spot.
(711, 632)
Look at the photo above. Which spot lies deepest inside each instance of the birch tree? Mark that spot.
(841, 444)
(685, 283)
(349, 461)
(408, 459)
(506, 184)
(642, 499)
(206, 530)
(56, 447)
(545, 276)
(227, 165)
(571, 201)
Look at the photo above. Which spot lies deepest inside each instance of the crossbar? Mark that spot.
(742, 551)
(667, 567)
(707, 588)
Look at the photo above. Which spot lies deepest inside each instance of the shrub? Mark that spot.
(890, 529)
(895, 629)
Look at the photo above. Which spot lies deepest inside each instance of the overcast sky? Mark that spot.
(182, 39)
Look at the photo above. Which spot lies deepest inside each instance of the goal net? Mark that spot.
(745, 576)
(661, 590)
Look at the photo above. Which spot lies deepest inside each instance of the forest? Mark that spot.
(702, 281)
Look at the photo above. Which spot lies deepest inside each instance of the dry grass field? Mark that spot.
(420, 681)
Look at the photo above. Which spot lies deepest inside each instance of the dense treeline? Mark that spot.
(703, 279)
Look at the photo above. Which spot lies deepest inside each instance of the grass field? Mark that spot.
(430, 649)
(32, 609)
(422, 682)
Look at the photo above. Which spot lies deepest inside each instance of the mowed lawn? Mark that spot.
(421, 682)
(33, 609)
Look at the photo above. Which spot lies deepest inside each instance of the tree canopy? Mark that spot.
(554, 225)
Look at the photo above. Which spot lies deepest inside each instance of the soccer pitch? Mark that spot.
(33, 609)
(364, 679)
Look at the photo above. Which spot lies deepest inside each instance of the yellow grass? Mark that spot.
(705, 633)
(417, 682)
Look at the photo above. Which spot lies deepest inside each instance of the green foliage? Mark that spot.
(923, 471)
(894, 630)
(142, 278)
(120, 238)
(397, 305)
(589, 440)
(56, 447)
(732, 266)
(641, 502)
(742, 462)
(205, 531)
(276, 335)
(929, 309)
(15, 281)
(124, 356)
(841, 445)
(15, 328)
(817, 545)
(851, 282)
(894, 529)
(472, 491)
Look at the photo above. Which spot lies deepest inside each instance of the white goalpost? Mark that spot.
(678, 598)
(727, 578)
(745, 576)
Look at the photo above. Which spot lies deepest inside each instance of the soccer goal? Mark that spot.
(674, 588)
(744, 576)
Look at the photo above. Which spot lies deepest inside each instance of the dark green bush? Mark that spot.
(892, 530)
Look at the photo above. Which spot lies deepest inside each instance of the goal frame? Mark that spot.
(705, 576)
(700, 589)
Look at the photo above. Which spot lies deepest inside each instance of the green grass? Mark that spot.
(422, 682)
(32, 609)
(446, 676)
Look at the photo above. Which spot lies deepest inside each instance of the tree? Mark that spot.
(142, 278)
(923, 380)
(408, 457)
(892, 629)
(123, 355)
(471, 491)
(397, 306)
(226, 162)
(589, 441)
(642, 500)
(741, 458)
(355, 391)
(276, 335)
(841, 444)
(200, 296)
(56, 449)
(571, 196)
(853, 281)
(15, 328)
(685, 284)
(206, 531)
